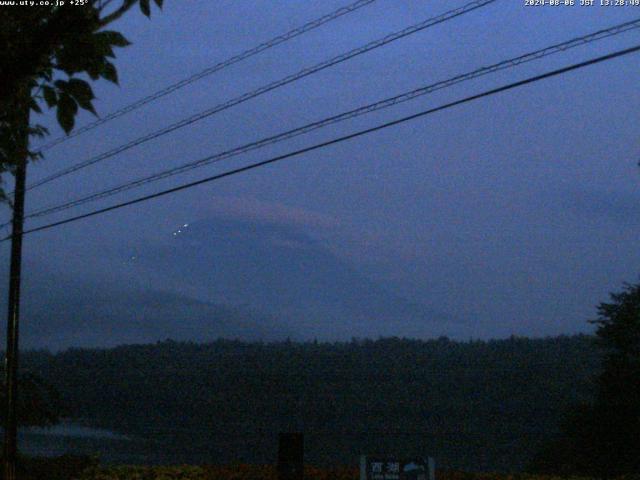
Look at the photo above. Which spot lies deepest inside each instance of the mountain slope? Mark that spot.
(58, 314)
(281, 270)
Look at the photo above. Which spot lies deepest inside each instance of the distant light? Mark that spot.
(186, 225)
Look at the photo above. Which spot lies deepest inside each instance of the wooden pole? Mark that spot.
(11, 360)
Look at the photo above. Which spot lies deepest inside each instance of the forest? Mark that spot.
(475, 405)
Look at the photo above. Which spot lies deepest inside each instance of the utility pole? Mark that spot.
(21, 152)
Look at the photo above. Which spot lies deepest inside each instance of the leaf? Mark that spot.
(145, 8)
(94, 70)
(80, 88)
(111, 37)
(38, 131)
(67, 109)
(50, 96)
(33, 156)
(33, 105)
(109, 72)
(60, 85)
(88, 106)
(82, 93)
(103, 50)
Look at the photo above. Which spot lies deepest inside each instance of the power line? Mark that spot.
(359, 133)
(388, 102)
(213, 69)
(269, 87)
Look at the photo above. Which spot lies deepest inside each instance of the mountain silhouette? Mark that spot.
(281, 270)
(61, 313)
(219, 277)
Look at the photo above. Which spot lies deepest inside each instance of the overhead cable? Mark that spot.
(382, 104)
(341, 139)
(267, 88)
(211, 70)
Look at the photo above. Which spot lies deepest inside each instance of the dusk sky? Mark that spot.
(514, 214)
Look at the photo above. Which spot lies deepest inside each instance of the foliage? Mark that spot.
(619, 335)
(67, 467)
(86, 468)
(602, 437)
(44, 52)
(39, 404)
(268, 472)
(474, 405)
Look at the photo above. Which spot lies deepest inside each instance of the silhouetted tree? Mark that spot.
(39, 403)
(43, 52)
(603, 438)
(618, 402)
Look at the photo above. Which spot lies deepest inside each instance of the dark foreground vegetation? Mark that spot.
(84, 468)
(479, 406)
(67, 467)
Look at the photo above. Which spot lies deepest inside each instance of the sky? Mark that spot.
(515, 214)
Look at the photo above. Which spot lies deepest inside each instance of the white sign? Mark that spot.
(382, 467)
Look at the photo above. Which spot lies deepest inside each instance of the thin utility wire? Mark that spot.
(382, 104)
(267, 88)
(307, 27)
(341, 139)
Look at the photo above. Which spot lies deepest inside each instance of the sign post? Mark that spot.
(290, 456)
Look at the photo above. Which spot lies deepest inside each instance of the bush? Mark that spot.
(66, 467)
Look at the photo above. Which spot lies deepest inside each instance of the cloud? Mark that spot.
(356, 243)
(262, 211)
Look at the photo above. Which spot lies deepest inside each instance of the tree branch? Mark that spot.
(126, 5)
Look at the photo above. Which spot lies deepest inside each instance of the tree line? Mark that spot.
(476, 405)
